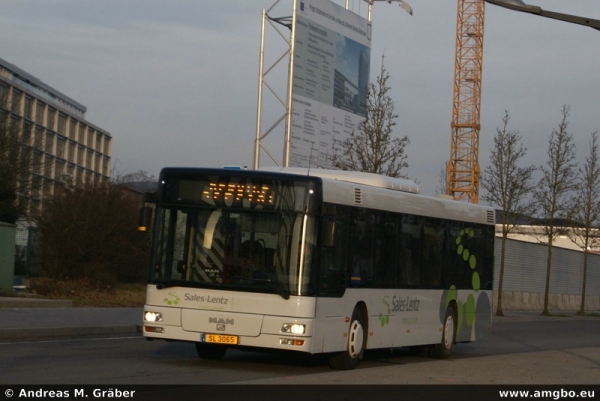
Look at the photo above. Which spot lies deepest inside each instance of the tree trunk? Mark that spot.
(546, 312)
(585, 260)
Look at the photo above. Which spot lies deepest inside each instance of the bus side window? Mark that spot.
(386, 268)
(433, 239)
(362, 250)
(333, 261)
(411, 244)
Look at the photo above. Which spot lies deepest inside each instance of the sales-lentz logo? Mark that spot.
(205, 299)
(405, 304)
(172, 299)
(398, 304)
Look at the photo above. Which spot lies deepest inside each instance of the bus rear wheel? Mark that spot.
(210, 351)
(445, 347)
(348, 359)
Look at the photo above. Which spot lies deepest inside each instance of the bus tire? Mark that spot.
(210, 351)
(446, 346)
(348, 359)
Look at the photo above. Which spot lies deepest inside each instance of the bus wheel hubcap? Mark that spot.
(355, 340)
(449, 332)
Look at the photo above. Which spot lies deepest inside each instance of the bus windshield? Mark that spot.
(248, 251)
(212, 240)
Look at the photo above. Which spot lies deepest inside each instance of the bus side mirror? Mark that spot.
(328, 233)
(150, 197)
(144, 218)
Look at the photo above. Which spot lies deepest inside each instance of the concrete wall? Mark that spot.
(525, 278)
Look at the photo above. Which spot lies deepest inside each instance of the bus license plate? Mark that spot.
(219, 339)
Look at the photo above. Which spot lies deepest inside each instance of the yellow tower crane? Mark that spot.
(463, 166)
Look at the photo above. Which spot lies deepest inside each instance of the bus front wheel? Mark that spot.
(210, 351)
(445, 347)
(348, 359)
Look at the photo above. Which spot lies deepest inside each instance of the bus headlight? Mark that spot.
(152, 317)
(293, 328)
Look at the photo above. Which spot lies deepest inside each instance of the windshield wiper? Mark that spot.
(160, 286)
(274, 285)
(181, 283)
(284, 292)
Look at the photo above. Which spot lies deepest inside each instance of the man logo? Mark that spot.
(220, 320)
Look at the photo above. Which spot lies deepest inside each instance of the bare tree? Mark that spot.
(443, 180)
(88, 233)
(373, 148)
(587, 208)
(136, 176)
(551, 195)
(507, 185)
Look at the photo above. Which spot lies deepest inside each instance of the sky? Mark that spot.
(175, 82)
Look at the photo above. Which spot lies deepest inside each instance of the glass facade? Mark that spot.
(60, 135)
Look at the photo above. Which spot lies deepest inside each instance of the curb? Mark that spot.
(18, 302)
(50, 332)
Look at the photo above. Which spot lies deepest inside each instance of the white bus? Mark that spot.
(315, 261)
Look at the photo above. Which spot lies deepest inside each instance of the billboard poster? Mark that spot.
(332, 49)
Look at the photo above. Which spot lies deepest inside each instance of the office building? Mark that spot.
(68, 149)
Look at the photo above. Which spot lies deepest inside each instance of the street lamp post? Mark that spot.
(518, 5)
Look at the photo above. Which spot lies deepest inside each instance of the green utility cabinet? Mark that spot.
(7, 255)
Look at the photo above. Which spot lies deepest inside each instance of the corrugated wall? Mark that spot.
(525, 270)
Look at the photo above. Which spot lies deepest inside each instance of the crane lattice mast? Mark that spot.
(463, 166)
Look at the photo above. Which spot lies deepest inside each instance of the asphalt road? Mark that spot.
(521, 349)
